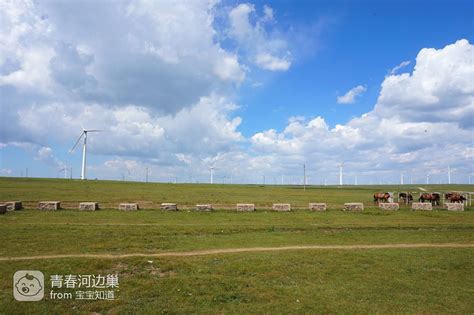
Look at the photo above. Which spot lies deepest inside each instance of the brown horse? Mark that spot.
(455, 197)
(380, 196)
(433, 198)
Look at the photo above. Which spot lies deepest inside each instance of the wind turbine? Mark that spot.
(84, 149)
(65, 169)
(304, 176)
(449, 175)
(340, 173)
(212, 168)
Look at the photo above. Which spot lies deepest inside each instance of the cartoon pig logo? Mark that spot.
(28, 285)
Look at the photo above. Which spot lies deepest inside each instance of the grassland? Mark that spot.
(150, 195)
(395, 280)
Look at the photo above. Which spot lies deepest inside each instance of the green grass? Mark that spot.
(428, 280)
(378, 281)
(149, 195)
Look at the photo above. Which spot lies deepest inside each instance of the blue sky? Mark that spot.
(254, 88)
(360, 42)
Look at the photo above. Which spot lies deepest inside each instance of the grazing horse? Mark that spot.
(380, 196)
(433, 198)
(407, 198)
(455, 197)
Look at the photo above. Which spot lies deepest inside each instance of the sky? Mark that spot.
(254, 89)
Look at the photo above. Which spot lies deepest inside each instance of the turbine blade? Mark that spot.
(75, 145)
(93, 130)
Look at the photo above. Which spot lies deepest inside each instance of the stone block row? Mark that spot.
(243, 207)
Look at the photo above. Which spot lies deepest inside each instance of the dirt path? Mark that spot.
(239, 250)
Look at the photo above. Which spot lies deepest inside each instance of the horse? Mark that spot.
(407, 198)
(380, 196)
(433, 198)
(455, 197)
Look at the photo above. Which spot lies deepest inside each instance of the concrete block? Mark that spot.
(281, 207)
(421, 206)
(317, 206)
(389, 206)
(3, 208)
(49, 205)
(128, 207)
(169, 206)
(245, 207)
(203, 207)
(353, 206)
(89, 206)
(452, 206)
(13, 205)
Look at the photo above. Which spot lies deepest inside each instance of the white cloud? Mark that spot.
(106, 52)
(134, 69)
(272, 63)
(351, 95)
(120, 168)
(25, 50)
(162, 89)
(268, 13)
(402, 65)
(407, 130)
(239, 21)
(185, 158)
(228, 69)
(265, 48)
(6, 172)
(45, 154)
(440, 89)
(205, 128)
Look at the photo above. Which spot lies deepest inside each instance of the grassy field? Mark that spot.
(388, 280)
(150, 195)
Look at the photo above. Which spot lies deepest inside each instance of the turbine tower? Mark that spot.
(449, 175)
(84, 149)
(212, 165)
(212, 168)
(304, 176)
(340, 173)
(65, 169)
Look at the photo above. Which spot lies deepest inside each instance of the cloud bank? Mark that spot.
(161, 78)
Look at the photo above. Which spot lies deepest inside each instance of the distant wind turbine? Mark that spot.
(340, 173)
(304, 176)
(212, 168)
(65, 169)
(84, 149)
(449, 175)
